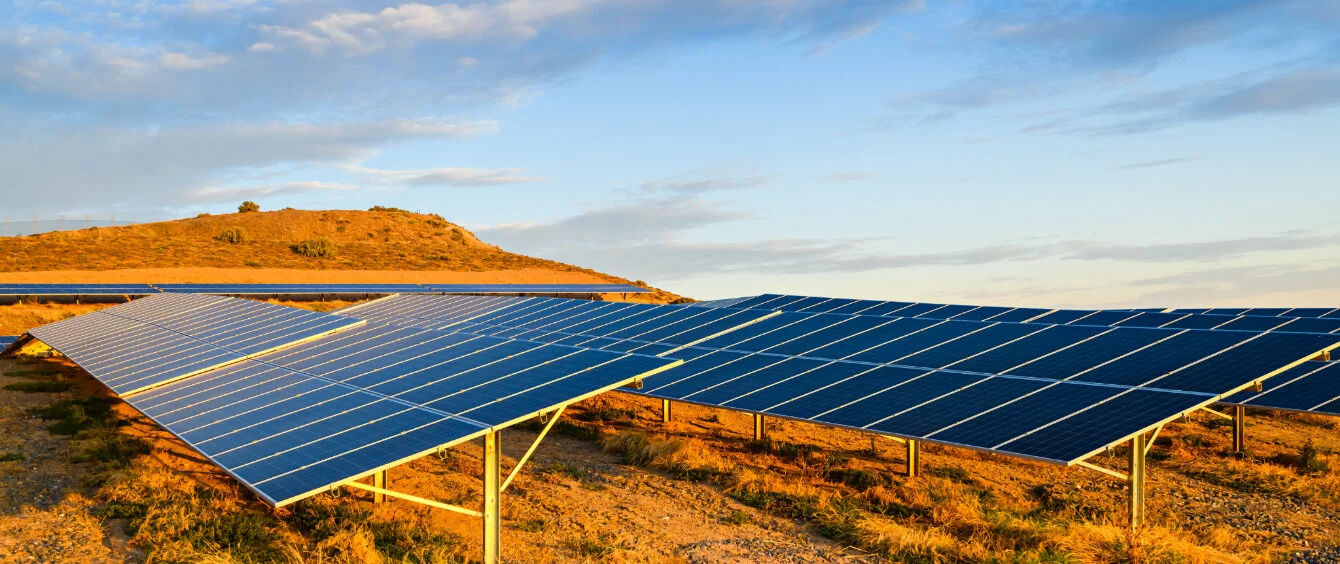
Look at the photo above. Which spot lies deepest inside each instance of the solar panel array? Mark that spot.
(1311, 387)
(1323, 312)
(1048, 392)
(1100, 318)
(312, 413)
(310, 289)
(6, 341)
(76, 289)
(158, 339)
(273, 289)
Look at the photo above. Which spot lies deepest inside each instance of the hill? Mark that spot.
(288, 246)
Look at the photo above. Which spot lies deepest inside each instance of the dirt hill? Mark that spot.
(287, 246)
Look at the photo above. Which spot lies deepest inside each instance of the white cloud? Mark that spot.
(182, 61)
(261, 47)
(162, 167)
(467, 61)
(445, 176)
(232, 193)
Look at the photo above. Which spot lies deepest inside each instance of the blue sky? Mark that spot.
(1026, 153)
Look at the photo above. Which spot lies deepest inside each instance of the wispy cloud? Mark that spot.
(701, 183)
(444, 176)
(1153, 164)
(229, 194)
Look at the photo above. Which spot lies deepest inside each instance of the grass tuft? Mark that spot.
(38, 387)
(12, 457)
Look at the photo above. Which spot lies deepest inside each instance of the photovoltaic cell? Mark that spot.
(1311, 386)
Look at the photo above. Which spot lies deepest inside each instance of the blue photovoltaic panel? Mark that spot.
(76, 289)
(6, 341)
(537, 288)
(1064, 316)
(1255, 324)
(1267, 311)
(1310, 312)
(161, 338)
(276, 289)
(1312, 325)
(1311, 386)
(289, 423)
(834, 368)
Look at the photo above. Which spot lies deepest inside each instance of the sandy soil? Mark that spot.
(294, 276)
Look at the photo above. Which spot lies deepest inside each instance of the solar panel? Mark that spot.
(279, 289)
(537, 288)
(1310, 387)
(295, 422)
(76, 289)
(161, 338)
(318, 412)
(1178, 319)
(6, 341)
(910, 377)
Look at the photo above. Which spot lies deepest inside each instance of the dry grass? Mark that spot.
(951, 515)
(17, 318)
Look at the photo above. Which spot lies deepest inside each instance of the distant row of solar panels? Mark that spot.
(1324, 312)
(1091, 317)
(6, 341)
(294, 289)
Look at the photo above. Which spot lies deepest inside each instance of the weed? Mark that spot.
(232, 235)
(38, 387)
(28, 373)
(11, 456)
(1308, 461)
(737, 517)
(562, 469)
(857, 478)
(596, 546)
(532, 525)
(386, 209)
(594, 486)
(108, 447)
(952, 473)
(75, 415)
(606, 413)
(710, 418)
(319, 247)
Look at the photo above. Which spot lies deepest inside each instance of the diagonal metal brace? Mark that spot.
(415, 499)
(1219, 413)
(522, 461)
(1097, 468)
(1149, 445)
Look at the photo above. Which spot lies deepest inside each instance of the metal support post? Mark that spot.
(665, 411)
(1135, 480)
(1239, 429)
(760, 427)
(379, 481)
(492, 498)
(913, 458)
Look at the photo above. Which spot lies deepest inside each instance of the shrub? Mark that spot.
(232, 235)
(203, 214)
(319, 247)
(1308, 462)
(11, 457)
(248, 207)
(386, 209)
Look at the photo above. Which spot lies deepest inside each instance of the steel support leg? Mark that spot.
(1135, 479)
(665, 411)
(1239, 429)
(492, 498)
(760, 427)
(379, 481)
(913, 458)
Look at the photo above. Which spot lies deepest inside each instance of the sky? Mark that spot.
(1032, 153)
